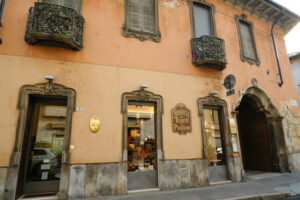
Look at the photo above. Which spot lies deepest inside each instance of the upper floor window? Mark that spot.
(75, 4)
(248, 50)
(202, 18)
(141, 20)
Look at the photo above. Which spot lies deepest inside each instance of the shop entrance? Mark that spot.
(215, 144)
(42, 146)
(142, 145)
(254, 137)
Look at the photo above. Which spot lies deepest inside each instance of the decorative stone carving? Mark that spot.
(209, 50)
(54, 25)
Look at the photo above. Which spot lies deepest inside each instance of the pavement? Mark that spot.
(266, 186)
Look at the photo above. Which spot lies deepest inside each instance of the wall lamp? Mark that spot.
(143, 86)
(213, 92)
(49, 78)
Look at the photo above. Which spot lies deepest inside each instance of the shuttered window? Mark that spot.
(141, 19)
(75, 4)
(247, 40)
(141, 15)
(202, 20)
(248, 49)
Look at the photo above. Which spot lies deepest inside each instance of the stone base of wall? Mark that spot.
(98, 180)
(178, 174)
(295, 162)
(3, 173)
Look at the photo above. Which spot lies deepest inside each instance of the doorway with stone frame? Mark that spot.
(39, 164)
(261, 135)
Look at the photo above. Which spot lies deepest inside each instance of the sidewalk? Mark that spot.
(263, 186)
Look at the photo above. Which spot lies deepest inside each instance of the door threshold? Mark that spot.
(143, 190)
(41, 196)
(220, 182)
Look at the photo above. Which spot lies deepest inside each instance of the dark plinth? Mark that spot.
(54, 25)
(209, 50)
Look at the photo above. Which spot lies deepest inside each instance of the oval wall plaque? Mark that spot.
(94, 124)
(181, 119)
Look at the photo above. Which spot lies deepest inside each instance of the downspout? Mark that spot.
(1, 12)
(275, 47)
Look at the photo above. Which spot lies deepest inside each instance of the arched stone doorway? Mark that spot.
(255, 141)
(262, 140)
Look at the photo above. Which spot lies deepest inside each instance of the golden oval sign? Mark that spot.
(94, 124)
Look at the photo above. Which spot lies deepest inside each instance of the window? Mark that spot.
(141, 20)
(75, 4)
(202, 18)
(247, 42)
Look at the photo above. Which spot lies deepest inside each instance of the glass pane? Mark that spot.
(46, 145)
(202, 20)
(213, 136)
(247, 40)
(141, 137)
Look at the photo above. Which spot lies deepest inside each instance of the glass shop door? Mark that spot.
(215, 145)
(142, 159)
(43, 146)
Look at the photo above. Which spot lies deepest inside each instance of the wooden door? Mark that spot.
(255, 142)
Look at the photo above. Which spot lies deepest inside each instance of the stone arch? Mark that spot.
(263, 100)
(47, 90)
(274, 125)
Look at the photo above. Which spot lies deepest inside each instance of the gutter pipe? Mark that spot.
(275, 47)
(1, 12)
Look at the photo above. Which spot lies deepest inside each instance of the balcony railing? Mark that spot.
(54, 25)
(209, 50)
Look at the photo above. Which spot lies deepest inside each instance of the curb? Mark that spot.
(270, 196)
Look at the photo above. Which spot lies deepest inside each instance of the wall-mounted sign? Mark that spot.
(94, 124)
(181, 119)
(229, 84)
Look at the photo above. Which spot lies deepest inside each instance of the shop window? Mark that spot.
(141, 137)
(202, 18)
(141, 20)
(248, 50)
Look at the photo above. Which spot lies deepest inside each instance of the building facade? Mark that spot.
(105, 97)
(295, 63)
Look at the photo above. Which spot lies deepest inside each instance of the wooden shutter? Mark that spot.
(141, 16)
(202, 20)
(247, 40)
(75, 4)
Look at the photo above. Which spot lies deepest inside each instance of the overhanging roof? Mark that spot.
(268, 11)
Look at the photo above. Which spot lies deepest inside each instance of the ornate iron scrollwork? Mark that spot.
(55, 26)
(209, 50)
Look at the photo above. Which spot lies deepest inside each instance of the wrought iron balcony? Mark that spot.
(54, 25)
(209, 50)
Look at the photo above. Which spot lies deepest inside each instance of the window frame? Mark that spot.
(156, 37)
(212, 15)
(244, 58)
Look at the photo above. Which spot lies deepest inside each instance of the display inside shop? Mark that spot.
(141, 138)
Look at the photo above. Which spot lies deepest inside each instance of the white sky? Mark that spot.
(292, 39)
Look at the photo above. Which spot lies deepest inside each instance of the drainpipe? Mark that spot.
(275, 46)
(1, 12)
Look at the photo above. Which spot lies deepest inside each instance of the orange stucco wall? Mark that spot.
(111, 64)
